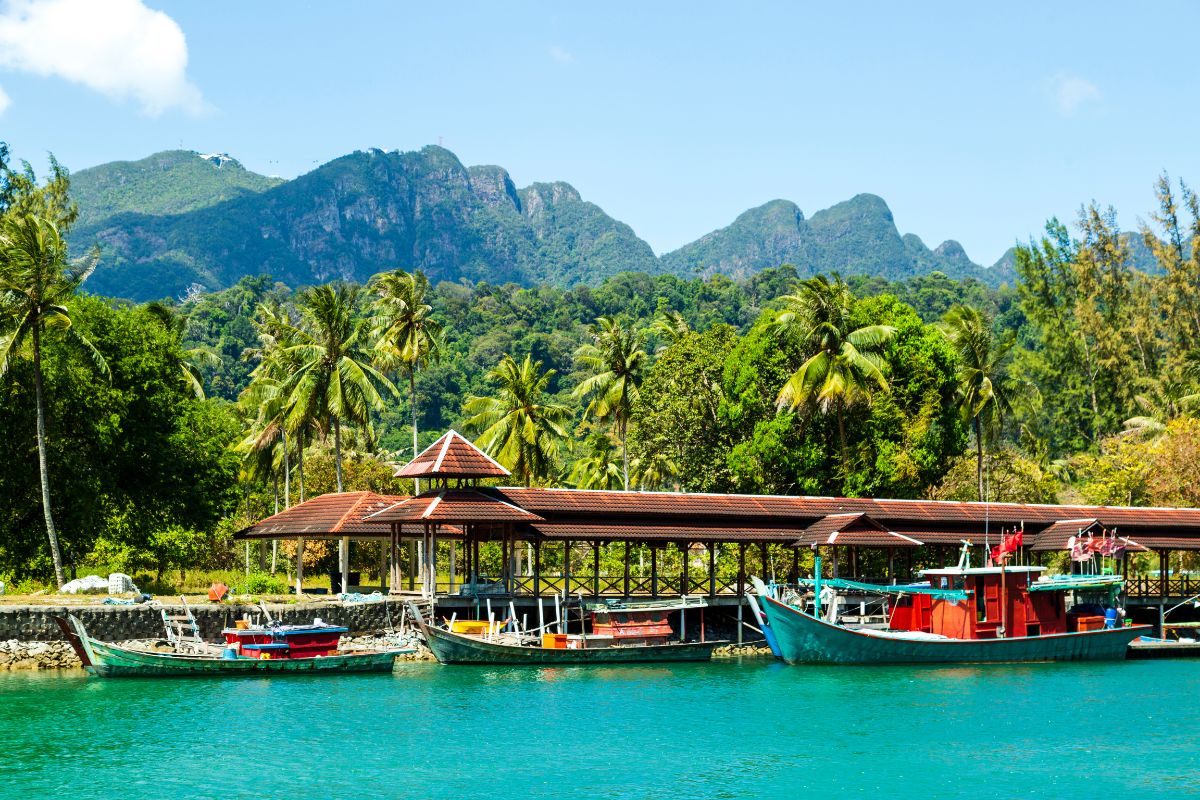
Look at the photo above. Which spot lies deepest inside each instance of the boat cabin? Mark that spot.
(284, 641)
(991, 602)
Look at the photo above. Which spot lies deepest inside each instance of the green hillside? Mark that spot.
(856, 237)
(178, 221)
(170, 182)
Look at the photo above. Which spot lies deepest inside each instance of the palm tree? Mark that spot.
(845, 364)
(596, 468)
(192, 358)
(982, 396)
(517, 428)
(616, 360)
(407, 336)
(670, 326)
(333, 378)
(36, 282)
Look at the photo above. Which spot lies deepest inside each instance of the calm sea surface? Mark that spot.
(721, 730)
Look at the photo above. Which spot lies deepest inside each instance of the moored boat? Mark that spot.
(621, 634)
(962, 615)
(150, 658)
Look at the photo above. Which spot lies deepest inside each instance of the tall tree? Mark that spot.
(407, 336)
(191, 358)
(334, 379)
(617, 361)
(846, 362)
(516, 426)
(982, 396)
(36, 281)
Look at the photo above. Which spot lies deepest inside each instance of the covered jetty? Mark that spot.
(870, 539)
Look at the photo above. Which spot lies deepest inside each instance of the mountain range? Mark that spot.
(180, 220)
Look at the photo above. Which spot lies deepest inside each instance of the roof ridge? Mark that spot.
(337, 526)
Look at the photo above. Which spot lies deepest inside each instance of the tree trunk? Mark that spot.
(344, 547)
(43, 466)
(287, 472)
(412, 402)
(300, 463)
(337, 451)
(624, 454)
(841, 420)
(979, 456)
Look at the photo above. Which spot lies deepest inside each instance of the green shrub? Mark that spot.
(264, 583)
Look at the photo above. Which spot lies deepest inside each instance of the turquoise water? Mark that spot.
(721, 730)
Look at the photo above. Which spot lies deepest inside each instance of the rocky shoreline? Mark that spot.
(33, 655)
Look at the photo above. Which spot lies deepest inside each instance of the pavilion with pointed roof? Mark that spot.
(676, 533)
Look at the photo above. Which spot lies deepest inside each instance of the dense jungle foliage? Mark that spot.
(167, 426)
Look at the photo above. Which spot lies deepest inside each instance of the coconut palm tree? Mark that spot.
(596, 469)
(193, 358)
(981, 390)
(516, 427)
(36, 282)
(407, 336)
(617, 361)
(333, 378)
(670, 327)
(845, 364)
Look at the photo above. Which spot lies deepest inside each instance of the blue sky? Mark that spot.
(975, 124)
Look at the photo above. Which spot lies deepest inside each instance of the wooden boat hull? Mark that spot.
(804, 639)
(114, 661)
(453, 648)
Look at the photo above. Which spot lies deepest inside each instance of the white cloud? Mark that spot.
(561, 56)
(1070, 92)
(4, 100)
(120, 48)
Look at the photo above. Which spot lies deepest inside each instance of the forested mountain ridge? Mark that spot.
(176, 220)
(364, 212)
(170, 182)
(858, 237)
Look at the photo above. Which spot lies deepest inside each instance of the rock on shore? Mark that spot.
(16, 654)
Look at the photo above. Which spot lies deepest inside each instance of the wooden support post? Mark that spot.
(453, 567)
(795, 565)
(835, 561)
(383, 566)
(684, 579)
(300, 566)
(626, 587)
(566, 568)
(854, 562)
(741, 587)
(537, 575)
(433, 573)
(596, 568)
(712, 580)
(412, 563)
(653, 571)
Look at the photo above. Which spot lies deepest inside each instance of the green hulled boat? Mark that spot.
(109, 660)
(457, 648)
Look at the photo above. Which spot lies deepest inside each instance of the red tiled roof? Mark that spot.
(1057, 535)
(452, 456)
(453, 505)
(853, 529)
(326, 515)
(898, 514)
(668, 533)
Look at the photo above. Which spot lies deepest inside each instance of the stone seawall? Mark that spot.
(118, 623)
(31, 639)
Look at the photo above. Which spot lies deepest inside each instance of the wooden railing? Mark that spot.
(614, 585)
(1149, 587)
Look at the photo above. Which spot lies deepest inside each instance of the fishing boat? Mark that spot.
(266, 650)
(994, 613)
(622, 633)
